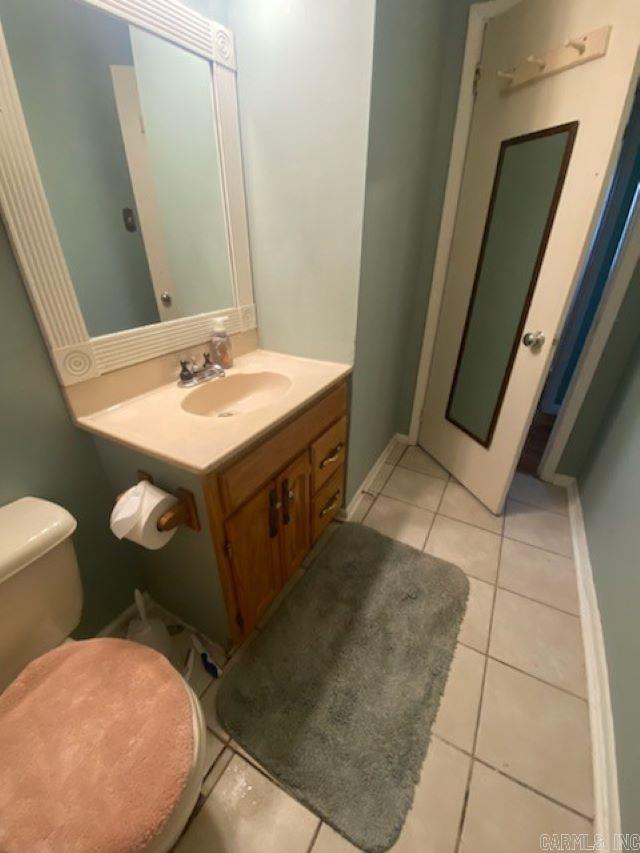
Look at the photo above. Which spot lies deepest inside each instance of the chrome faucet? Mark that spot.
(191, 374)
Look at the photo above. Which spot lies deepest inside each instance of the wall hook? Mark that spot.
(506, 75)
(536, 60)
(577, 44)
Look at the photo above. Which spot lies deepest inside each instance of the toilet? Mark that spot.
(103, 742)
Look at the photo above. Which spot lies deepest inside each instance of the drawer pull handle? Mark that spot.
(333, 455)
(331, 505)
(274, 506)
(287, 495)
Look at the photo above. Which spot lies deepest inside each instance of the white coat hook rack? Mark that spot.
(575, 51)
(536, 60)
(576, 44)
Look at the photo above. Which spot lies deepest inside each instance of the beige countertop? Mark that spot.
(156, 424)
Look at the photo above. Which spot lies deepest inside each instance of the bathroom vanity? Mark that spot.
(263, 449)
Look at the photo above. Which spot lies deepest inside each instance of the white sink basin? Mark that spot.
(237, 394)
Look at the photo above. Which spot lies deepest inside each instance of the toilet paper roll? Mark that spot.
(136, 513)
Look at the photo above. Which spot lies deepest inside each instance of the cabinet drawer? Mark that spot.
(243, 478)
(328, 453)
(327, 502)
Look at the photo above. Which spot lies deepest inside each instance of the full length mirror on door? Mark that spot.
(526, 190)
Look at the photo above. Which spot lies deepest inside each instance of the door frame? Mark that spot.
(479, 15)
(601, 328)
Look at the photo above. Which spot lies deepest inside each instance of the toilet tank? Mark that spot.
(40, 589)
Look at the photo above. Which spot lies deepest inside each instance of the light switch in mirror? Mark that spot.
(124, 131)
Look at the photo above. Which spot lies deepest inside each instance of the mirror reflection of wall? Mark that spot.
(124, 132)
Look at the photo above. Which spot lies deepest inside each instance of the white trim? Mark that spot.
(366, 486)
(620, 278)
(122, 349)
(34, 237)
(479, 14)
(232, 178)
(176, 22)
(605, 774)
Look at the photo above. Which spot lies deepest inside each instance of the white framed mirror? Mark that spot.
(121, 178)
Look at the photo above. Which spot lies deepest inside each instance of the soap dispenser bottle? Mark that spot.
(221, 344)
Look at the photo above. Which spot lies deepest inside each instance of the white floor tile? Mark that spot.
(219, 766)
(549, 578)
(381, 477)
(474, 550)
(416, 459)
(538, 735)
(460, 504)
(548, 530)
(247, 813)
(530, 490)
(504, 817)
(433, 821)
(364, 505)
(414, 488)
(539, 640)
(395, 454)
(329, 841)
(474, 630)
(213, 750)
(408, 524)
(458, 712)
(208, 703)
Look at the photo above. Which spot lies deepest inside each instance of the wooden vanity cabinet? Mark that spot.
(253, 551)
(268, 506)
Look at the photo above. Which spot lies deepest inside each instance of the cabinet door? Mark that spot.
(253, 538)
(294, 489)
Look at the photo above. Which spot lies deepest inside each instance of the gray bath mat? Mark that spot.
(336, 697)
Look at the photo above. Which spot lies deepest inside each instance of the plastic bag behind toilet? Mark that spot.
(151, 632)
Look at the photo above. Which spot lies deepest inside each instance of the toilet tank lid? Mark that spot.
(29, 527)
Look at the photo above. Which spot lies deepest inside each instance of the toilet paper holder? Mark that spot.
(184, 512)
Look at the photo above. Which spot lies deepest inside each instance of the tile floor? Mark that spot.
(510, 755)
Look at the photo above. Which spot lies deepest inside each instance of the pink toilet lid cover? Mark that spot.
(96, 743)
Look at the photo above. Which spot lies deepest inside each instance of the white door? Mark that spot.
(536, 163)
(125, 90)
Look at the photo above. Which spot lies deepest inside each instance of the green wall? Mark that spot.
(183, 575)
(304, 74)
(62, 70)
(44, 455)
(417, 60)
(609, 485)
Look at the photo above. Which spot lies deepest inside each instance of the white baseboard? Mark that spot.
(366, 485)
(561, 480)
(605, 774)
